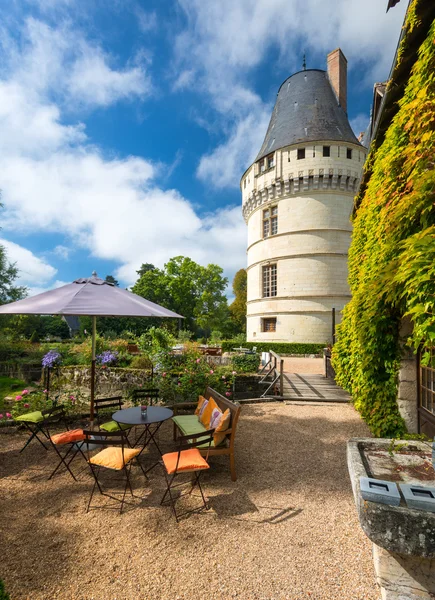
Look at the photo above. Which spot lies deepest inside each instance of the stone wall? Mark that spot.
(112, 380)
(26, 372)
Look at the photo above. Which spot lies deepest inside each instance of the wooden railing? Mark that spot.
(274, 368)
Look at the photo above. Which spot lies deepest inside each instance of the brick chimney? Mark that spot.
(337, 74)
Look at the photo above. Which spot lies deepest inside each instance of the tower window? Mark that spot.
(270, 221)
(269, 281)
(268, 324)
(349, 152)
(270, 161)
(326, 150)
(301, 153)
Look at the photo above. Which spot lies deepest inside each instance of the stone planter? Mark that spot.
(403, 538)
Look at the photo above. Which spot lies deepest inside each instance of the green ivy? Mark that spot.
(392, 255)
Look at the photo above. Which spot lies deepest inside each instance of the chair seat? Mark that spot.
(33, 417)
(189, 424)
(111, 426)
(68, 437)
(190, 460)
(111, 458)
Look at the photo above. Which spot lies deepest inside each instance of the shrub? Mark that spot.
(246, 363)
(3, 593)
(141, 362)
(156, 340)
(278, 347)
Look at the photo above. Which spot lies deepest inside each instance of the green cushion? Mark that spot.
(114, 426)
(33, 417)
(189, 424)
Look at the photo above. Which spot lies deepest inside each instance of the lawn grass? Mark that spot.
(10, 386)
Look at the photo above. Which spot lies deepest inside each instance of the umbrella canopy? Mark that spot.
(92, 297)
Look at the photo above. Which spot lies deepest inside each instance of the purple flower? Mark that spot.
(51, 359)
(107, 358)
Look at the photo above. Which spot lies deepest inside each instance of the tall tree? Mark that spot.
(111, 279)
(145, 267)
(238, 306)
(8, 274)
(194, 291)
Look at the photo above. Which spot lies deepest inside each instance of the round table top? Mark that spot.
(133, 416)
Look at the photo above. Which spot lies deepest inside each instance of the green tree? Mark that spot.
(145, 267)
(111, 279)
(8, 274)
(194, 291)
(238, 306)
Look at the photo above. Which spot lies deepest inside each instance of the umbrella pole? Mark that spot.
(94, 335)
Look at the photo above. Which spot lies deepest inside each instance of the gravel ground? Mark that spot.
(287, 529)
(303, 365)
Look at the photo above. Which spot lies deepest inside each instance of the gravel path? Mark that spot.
(287, 529)
(293, 364)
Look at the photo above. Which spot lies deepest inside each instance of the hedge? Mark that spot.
(278, 347)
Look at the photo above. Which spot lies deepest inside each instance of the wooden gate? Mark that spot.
(426, 391)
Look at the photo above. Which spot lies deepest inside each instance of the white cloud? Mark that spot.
(63, 251)
(359, 123)
(32, 269)
(225, 41)
(54, 180)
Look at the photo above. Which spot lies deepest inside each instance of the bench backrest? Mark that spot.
(223, 404)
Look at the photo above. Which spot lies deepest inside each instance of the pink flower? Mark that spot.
(198, 360)
(26, 405)
(211, 371)
(227, 394)
(24, 392)
(223, 376)
(234, 373)
(45, 392)
(1, 416)
(179, 383)
(72, 397)
(164, 375)
(8, 416)
(18, 398)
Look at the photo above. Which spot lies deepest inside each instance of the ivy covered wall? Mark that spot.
(392, 255)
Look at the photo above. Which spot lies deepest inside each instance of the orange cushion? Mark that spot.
(206, 415)
(67, 437)
(222, 426)
(111, 458)
(201, 401)
(190, 460)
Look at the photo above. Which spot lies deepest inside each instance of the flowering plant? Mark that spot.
(108, 357)
(51, 359)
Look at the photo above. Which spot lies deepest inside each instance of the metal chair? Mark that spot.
(115, 403)
(115, 456)
(187, 459)
(37, 421)
(148, 396)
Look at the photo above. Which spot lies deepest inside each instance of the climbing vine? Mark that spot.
(392, 255)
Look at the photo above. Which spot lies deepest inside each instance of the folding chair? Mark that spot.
(115, 456)
(115, 403)
(68, 442)
(37, 421)
(187, 459)
(145, 396)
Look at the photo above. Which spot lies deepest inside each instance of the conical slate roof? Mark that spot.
(306, 110)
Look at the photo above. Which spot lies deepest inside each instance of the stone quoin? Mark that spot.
(297, 199)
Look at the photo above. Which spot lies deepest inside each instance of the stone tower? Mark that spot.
(297, 200)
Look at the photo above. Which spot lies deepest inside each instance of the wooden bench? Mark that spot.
(183, 423)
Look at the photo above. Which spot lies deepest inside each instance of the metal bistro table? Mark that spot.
(156, 415)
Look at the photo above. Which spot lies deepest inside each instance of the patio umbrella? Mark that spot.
(91, 297)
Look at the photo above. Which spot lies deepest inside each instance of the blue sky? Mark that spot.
(125, 125)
